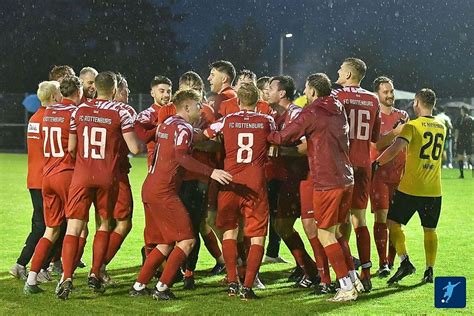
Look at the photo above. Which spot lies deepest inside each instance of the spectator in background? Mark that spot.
(463, 139)
(448, 144)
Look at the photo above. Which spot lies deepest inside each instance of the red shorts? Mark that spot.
(233, 204)
(381, 194)
(55, 191)
(80, 199)
(306, 196)
(360, 196)
(332, 207)
(124, 206)
(289, 204)
(166, 221)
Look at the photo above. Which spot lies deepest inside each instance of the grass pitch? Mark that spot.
(455, 258)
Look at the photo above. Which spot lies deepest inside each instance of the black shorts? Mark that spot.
(464, 147)
(403, 206)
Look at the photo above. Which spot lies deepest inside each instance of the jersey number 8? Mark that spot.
(244, 146)
(97, 138)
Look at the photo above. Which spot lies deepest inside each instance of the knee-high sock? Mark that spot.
(99, 248)
(296, 246)
(461, 167)
(391, 253)
(380, 237)
(115, 241)
(229, 248)
(70, 245)
(321, 260)
(254, 260)
(337, 260)
(431, 247)
(42, 249)
(175, 260)
(152, 262)
(363, 247)
(347, 253)
(210, 241)
(398, 239)
(80, 251)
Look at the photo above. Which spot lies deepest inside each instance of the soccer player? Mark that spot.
(173, 231)
(123, 209)
(289, 170)
(95, 138)
(87, 75)
(388, 177)
(220, 78)
(263, 85)
(363, 111)
(463, 139)
(48, 93)
(324, 124)
(57, 172)
(420, 187)
(58, 73)
(245, 146)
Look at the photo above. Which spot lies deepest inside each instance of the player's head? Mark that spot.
(425, 101)
(48, 92)
(383, 87)
(464, 110)
(188, 104)
(281, 88)
(248, 96)
(222, 75)
(122, 89)
(317, 85)
(57, 73)
(106, 85)
(71, 88)
(263, 85)
(245, 76)
(87, 75)
(352, 71)
(191, 80)
(161, 90)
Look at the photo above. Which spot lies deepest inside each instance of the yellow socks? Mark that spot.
(431, 247)
(397, 237)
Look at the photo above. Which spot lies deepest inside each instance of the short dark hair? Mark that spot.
(69, 85)
(248, 94)
(286, 83)
(247, 74)
(160, 80)
(321, 83)
(182, 95)
(427, 97)
(225, 67)
(58, 72)
(465, 109)
(358, 65)
(192, 79)
(379, 80)
(105, 81)
(262, 81)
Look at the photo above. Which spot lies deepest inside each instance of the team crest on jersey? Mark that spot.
(34, 128)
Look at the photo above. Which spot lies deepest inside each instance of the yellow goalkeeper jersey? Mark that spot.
(425, 136)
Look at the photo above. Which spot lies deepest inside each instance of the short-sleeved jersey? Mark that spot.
(55, 133)
(392, 171)
(164, 174)
(99, 128)
(465, 127)
(232, 105)
(363, 111)
(124, 164)
(425, 136)
(34, 142)
(226, 94)
(245, 139)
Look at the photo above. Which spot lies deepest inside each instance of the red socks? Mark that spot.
(254, 261)
(175, 260)
(152, 262)
(41, 252)
(381, 237)
(80, 251)
(347, 253)
(296, 246)
(336, 258)
(99, 248)
(229, 248)
(363, 247)
(321, 260)
(210, 240)
(70, 245)
(392, 252)
(115, 241)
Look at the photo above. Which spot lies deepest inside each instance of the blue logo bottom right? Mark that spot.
(450, 292)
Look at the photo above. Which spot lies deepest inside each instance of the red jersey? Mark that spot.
(324, 124)
(34, 141)
(124, 163)
(173, 139)
(55, 134)
(225, 94)
(232, 105)
(392, 171)
(99, 128)
(363, 111)
(245, 133)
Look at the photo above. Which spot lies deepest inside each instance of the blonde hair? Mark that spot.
(46, 90)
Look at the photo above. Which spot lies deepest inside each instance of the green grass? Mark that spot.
(455, 255)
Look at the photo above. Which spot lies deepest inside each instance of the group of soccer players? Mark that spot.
(222, 167)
